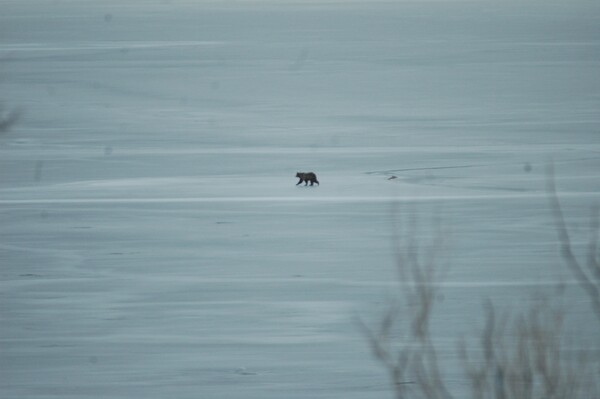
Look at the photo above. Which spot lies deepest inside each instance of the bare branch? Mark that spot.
(583, 279)
(592, 256)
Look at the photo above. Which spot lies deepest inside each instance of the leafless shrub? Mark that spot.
(521, 355)
(411, 360)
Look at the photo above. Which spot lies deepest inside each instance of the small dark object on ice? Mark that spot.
(392, 177)
(307, 177)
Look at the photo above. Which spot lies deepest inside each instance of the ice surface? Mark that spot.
(153, 241)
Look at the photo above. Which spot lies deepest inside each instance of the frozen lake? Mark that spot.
(153, 242)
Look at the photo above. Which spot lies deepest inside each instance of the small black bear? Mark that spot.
(307, 177)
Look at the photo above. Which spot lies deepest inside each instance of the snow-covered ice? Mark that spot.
(153, 241)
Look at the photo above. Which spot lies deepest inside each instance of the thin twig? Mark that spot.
(565, 243)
